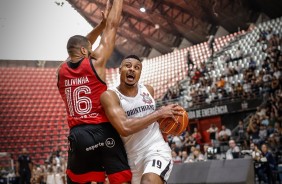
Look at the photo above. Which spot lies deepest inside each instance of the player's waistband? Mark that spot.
(90, 125)
(159, 145)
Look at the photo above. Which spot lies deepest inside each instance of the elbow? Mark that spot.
(125, 132)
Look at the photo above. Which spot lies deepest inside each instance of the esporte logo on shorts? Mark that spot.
(110, 142)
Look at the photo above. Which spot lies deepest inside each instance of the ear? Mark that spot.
(83, 51)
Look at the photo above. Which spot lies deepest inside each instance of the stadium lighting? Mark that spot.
(142, 9)
(157, 26)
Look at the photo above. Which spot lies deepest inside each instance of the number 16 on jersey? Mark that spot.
(77, 101)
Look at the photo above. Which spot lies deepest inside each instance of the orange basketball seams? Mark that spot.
(169, 126)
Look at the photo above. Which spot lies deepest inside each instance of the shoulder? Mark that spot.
(60, 67)
(109, 95)
(150, 89)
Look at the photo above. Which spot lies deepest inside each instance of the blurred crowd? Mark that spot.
(260, 135)
(25, 170)
(242, 77)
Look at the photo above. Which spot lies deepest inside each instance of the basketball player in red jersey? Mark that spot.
(130, 107)
(95, 146)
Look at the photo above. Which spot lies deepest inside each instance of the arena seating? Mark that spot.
(32, 112)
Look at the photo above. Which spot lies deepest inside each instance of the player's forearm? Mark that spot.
(93, 35)
(133, 125)
(115, 14)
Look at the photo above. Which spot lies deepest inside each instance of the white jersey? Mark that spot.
(140, 105)
(146, 150)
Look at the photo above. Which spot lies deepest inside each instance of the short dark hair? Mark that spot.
(133, 57)
(75, 42)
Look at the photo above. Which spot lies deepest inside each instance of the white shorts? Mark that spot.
(157, 159)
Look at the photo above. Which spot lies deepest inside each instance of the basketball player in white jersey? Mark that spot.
(130, 107)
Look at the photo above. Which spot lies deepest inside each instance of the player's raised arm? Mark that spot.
(127, 126)
(93, 35)
(107, 43)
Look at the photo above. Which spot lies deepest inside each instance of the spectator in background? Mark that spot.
(54, 173)
(269, 166)
(237, 68)
(197, 136)
(247, 89)
(275, 84)
(175, 157)
(259, 80)
(213, 130)
(252, 64)
(257, 155)
(174, 148)
(255, 152)
(277, 73)
(223, 137)
(253, 130)
(262, 133)
(205, 153)
(196, 156)
(229, 88)
(212, 95)
(269, 34)
(224, 134)
(238, 53)
(262, 36)
(233, 152)
(274, 139)
(191, 143)
(197, 75)
(203, 69)
(221, 82)
(267, 79)
(241, 134)
(185, 142)
(238, 90)
(265, 65)
(178, 141)
(211, 45)
(24, 167)
(225, 58)
(189, 61)
(184, 156)
(255, 88)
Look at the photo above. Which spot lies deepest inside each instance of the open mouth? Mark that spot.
(130, 77)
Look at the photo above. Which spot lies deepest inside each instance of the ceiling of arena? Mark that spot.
(167, 23)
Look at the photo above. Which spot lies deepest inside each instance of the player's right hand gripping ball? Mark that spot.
(169, 126)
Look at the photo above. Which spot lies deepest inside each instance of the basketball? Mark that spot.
(169, 126)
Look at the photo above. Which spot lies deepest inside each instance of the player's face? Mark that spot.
(130, 71)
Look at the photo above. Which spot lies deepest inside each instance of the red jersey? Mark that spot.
(81, 88)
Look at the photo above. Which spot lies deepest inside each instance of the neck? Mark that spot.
(127, 90)
(76, 58)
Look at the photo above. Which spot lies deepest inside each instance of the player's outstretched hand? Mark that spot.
(170, 111)
(106, 12)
